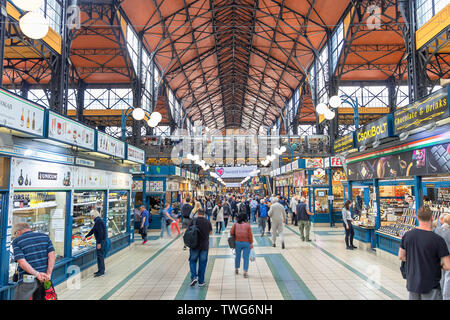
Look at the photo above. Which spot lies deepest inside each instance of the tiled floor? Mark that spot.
(321, 269)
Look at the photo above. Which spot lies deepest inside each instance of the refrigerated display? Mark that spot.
(44, 212)
(117, 213)
(84, 202)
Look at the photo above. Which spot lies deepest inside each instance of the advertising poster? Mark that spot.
(119, 181)
(314, 163)
(33, 175)
(332, 162)
(19, 114)
(87, 178)
(420, 162)
(136, 154)
(109, 145)
(137, 186)
(432, 108)
(69, 131)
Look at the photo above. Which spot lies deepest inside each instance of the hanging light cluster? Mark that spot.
(33, 23)
(155, 118)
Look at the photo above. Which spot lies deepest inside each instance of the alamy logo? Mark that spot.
(374, 20)
(74, 17)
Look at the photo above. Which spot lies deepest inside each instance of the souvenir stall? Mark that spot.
(404, 172)
(336, 176)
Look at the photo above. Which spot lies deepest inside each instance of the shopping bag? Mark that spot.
(252, 255)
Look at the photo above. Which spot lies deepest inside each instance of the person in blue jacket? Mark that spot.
(261, 212)
(99, 232)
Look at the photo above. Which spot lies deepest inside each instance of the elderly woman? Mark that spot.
(444, 232)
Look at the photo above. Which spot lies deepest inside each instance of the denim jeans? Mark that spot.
(101, 258)
(164, 226)
(200, 256)
(242, 247)
(253, 210)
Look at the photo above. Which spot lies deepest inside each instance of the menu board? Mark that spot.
(314, 163)
(68, 131)
(137, 186)
(378, 129)
(172, 185)
(110, 145)
(119, 181)
(136, 154)
(344, 143)
(432, 108)
(35, 175)
(87, 178)
(19, 114)
(155, 186)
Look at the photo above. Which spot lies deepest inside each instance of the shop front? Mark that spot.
(52, 183)
(402, 175)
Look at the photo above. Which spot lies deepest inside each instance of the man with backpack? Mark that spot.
(197, 238)
(186, 210)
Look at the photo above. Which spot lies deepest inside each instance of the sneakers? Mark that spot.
(349, 248)
(145, 241)
(308, 240)
(96, 275)
(193, 282)
(274, 245)
(282, 245)
(184, 247)
(354, 247)
(245, 275)
(202, 284)
(236, 271)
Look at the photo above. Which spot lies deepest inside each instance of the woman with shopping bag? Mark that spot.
(242, 232)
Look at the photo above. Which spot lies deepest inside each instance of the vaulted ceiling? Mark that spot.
(234, 63)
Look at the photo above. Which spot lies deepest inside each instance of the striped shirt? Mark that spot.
(34, 247)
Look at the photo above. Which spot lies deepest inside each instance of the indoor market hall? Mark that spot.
(225, 158)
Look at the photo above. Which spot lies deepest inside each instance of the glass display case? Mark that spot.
(44, 212)
(117, 213)
(321, 201)
(83, 203)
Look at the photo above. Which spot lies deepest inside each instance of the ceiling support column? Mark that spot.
(3, 17)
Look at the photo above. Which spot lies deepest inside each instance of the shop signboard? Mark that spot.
(313, 163)
(373, 131)
(89, 179)
(19, 114)
(332, 162)
(283, 169)
(85, 162)
(137, 186)
(430, 160)
(178, 171)
(68, 131)
(109, 145)
(431, 109)
(236, 172)
(183, 173)
(119, 181)
(37, 175)
(294, 165)
(172, 185)
(344, 143)
(135, 154)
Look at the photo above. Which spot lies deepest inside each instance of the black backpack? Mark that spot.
(190, 236)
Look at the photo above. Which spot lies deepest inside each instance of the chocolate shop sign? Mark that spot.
(378, 129)
(344, 143)
(433, 108)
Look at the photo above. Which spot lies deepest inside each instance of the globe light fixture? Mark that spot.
(283, 149)
(329, 115)
(272, 158)
(34, 25)
(28, 5)
(156, 116)
(277, 151)
(335, 102)
(321, 108)
(138, 114)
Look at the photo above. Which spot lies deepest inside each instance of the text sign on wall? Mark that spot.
(378, 129)
(344, 143)
(428, 110)
(69, 131)
(109, 145)
(314, 163)
(135, 154)
(332, 162)
(19, 114)
(236, 172)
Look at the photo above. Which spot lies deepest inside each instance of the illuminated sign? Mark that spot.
(345, 143)
(378, 129)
